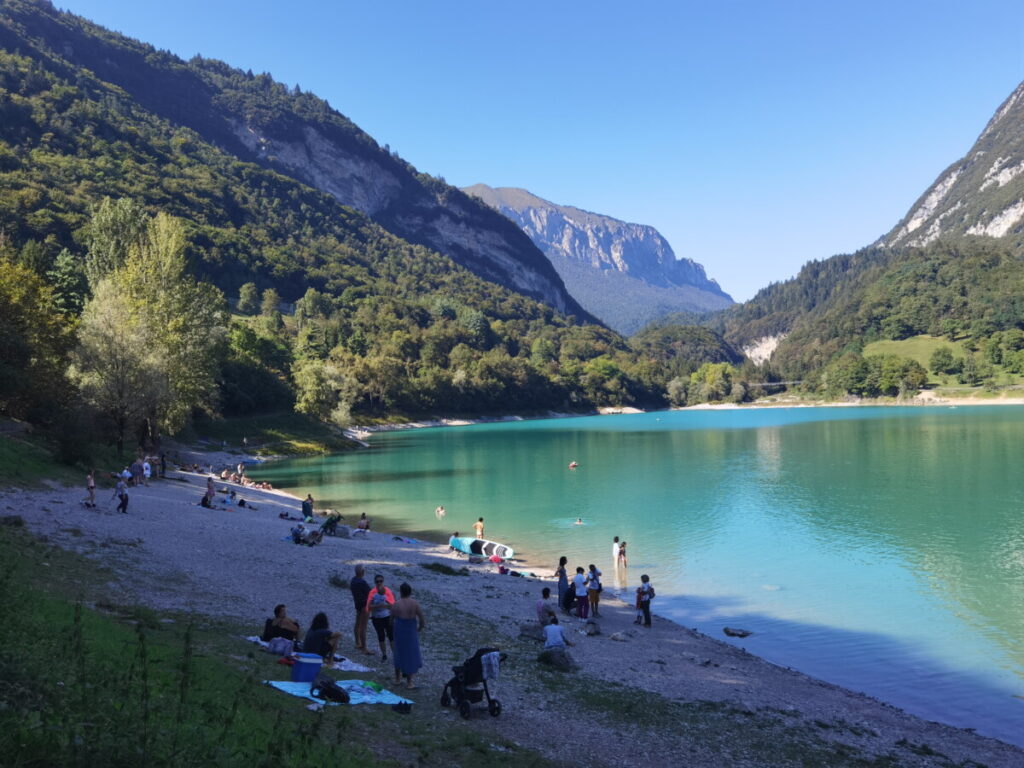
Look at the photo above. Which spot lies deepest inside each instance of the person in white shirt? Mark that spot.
(615, 552)
(579, 583)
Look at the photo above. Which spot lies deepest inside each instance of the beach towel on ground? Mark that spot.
(358, 692)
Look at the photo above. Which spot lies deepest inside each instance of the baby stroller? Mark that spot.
(469, 685)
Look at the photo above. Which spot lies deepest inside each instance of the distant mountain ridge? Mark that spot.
(626, 274)
(981, 194)
(298, 135)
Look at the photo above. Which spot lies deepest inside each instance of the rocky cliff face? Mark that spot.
(981, 194)
(600, 258)
(256, 119)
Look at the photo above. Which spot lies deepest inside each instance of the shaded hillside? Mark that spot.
(626, 274)
(256, 119)
(682, 349)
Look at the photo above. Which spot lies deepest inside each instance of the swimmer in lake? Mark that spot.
(579, 521)
(439, 513)
(573, 465)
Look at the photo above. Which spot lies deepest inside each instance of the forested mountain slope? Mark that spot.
(625, 274)
(256, 119)
(952, 267)
(371, 323)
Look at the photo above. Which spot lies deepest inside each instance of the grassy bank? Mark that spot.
(92, 681)
(275, 434)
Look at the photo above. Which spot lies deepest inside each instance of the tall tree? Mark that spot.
(152, 329)
(117, 228)
(67, 278)
(116, 365)
(34, 341)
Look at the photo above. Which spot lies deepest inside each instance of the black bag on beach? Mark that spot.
(327, 688)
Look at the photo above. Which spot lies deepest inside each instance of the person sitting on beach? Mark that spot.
(282, 625)
(545, 613)
(554, 637)
(451, 540)
(303, 535)
(321, 639)
(363, 525)
(224, 475)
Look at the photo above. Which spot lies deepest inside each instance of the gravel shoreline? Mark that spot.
(173, 555)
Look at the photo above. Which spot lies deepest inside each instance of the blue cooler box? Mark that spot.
(306, 667)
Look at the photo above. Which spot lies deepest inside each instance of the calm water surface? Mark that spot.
(878, 548)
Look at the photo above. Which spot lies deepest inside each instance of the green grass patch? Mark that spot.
(123, 684)
(25, 463)
(275, 434)
(918, 348)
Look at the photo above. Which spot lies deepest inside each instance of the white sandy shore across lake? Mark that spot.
(172, 555)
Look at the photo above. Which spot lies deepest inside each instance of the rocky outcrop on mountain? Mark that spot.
(299, 135)
(626, 274)
(982, 194)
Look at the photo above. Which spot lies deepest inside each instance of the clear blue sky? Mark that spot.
(754, 135)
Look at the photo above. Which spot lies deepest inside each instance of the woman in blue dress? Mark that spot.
(563, 580)
(408, 623)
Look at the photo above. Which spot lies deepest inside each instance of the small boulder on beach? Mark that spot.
(734, 632)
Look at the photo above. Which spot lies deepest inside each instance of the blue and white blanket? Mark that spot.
(358, 692)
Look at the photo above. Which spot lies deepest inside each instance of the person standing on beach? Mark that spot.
(121, 492)
(307, 507)
(478, 526)
(360, 590)
(563, 582)
(644, 595)
(622, 555)
(90, 488)
(378, 605)
(579, 583)
(408, 623)
(594, 589)
(615, 552)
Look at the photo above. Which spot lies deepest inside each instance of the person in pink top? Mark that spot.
(378, 605)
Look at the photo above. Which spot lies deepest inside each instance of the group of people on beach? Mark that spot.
(239, 477)
(139, 472)
(396, 622)
(581, 597)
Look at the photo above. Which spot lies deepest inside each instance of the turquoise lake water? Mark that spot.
(881, 549)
